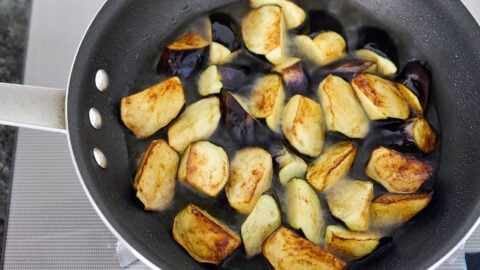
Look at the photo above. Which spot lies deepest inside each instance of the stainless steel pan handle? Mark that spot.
(32, 107)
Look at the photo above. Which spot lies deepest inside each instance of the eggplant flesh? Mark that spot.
(417, 76)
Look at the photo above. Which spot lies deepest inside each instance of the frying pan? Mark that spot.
(125, 40)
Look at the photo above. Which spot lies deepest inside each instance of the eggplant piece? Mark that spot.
(251, 174)
(198, 122)
(290, 165)
(294, 76)
(413, 101)
(226, 31)
(397, 172)
(323, 49)
(343, 112)
(184, 56)
(380, 97)
(210, 81)
(303, 125)
(392, 210)
(264, 33)
(286, 250)
(243, 128)
(293, 14)
(375, 44)
(146, 112)
(220, 54)
(204, 166)
(205, 238)
(236, 77)
(155, 178)
(322, 21)
(349, 201)
(350, 245)
(332, 166)
(417, 76)
(267, 100)
(346, 69)
(410, 136)
(264, 219)
(304, 211)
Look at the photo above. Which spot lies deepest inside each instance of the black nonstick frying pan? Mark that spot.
(125, 40)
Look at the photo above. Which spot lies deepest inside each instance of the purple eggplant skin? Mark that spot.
(319, 21)
(417, 76)
(378, 41)
(346, 69)
(295, 78)
(182, 63)
(413, 136)
(235, 78)
(243, 128)
(226, 31)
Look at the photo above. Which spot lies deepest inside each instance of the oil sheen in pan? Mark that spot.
(351, 18)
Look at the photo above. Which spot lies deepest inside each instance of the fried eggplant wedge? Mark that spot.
(392, 210)
(304, 211)
(197, 122)
(205, 238)
(205, 167)
(210, 81)
(349, 201)
(380, 97)
(343, 112)
(350, 245)
(294, 76)
(251, 172)
(332, 166)
(264, 33)
(286, 250)
(323, 49)
(264, 219)
(294, 15)
(146, 112)
(290, 165)
(267, 100)
(303, 125)
(397, 172)
(155, 179)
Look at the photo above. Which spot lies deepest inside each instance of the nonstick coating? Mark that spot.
(127, 34)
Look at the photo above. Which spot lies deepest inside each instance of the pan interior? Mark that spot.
(125, 40)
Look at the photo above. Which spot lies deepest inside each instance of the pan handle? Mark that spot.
(32, 107)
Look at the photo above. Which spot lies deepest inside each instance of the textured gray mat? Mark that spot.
(51, 223)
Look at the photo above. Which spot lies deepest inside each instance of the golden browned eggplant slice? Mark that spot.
(392, 210)
(286, 250)
(220, 54)
(197, 122)
(210, 81)
(350, 245)
(349, 201)
(304, 211)
(184, 56)
(397, 172)
(264, 219)
(267, 100)
(303, 125)
(156, 176)
(332, 166)
(294, 15)
(205, 167)
(343, 112)
(380, 97)
(251, 173)
(413, 135)
(205, 238)
(264, 33)
(146, 112)
(332, 45)
(384, 65)
(412, 99)
(290, 166)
